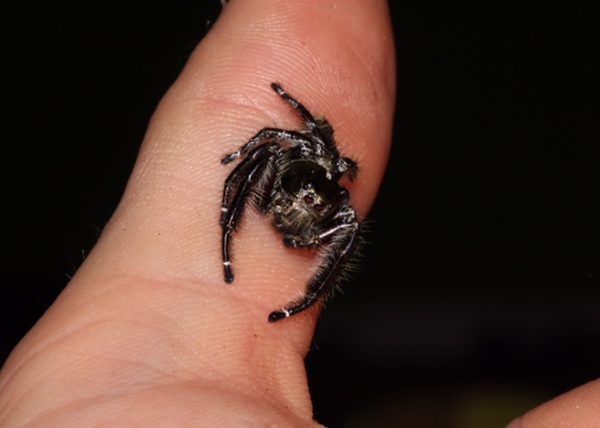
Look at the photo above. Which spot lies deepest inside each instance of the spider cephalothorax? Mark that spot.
(293, 176)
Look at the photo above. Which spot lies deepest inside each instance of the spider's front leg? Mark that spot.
(341, 237)
(238, 188)
(263, 136)
(307, 117)
(347, 166)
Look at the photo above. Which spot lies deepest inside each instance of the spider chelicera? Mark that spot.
(292, 176)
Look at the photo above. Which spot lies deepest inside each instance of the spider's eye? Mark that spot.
(291, 181)
(309, 199)
(302, 174)
(317, 174)
(319, 207)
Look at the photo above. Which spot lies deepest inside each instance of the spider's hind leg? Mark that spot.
(342, 237)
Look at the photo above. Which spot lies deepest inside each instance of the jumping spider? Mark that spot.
(293, 176)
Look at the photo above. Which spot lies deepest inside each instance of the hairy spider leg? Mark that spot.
(347, 166)
(343, 237)
(320, 127)
(244, 177)
(232, 182)
(308, 118)
(263, 136)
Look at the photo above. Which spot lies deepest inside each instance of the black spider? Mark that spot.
(293, 177)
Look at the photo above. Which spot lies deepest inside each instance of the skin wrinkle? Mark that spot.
(79, 403)
(238, 113)
(29, 361)
(111, 398)
(258, 309)
(36, 353)
(190, 284)
(231, 379)
(75, 404)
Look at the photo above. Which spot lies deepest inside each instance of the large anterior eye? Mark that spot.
(301, 175)
(291, 181)
(316, 175)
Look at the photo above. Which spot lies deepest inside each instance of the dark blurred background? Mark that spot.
(479, 295)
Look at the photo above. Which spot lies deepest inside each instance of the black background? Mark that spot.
(479, 293)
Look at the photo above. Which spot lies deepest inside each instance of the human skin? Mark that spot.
(577, 408)
(147, 333)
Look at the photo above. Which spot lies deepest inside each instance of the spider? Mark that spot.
(292, 176)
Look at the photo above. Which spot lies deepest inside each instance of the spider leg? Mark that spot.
(312, 241)
(347, 166)
(318, 127)
(263, 136)
(343, 237)
(308, 118)
(236, 192)
(239, 174)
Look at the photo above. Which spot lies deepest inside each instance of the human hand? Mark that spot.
(147, 332)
